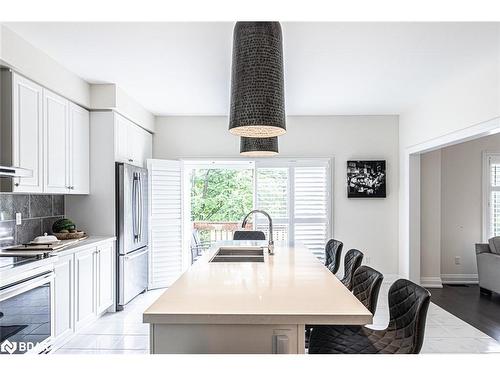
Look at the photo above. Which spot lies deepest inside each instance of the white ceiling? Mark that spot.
(330, 68)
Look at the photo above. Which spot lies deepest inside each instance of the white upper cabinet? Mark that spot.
(45, 133)
(56, 143)
(79, 158)
(27, 140)
(66, 146)
(121, 139)
(133, 145)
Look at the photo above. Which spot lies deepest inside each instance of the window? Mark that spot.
(491, 195)
(272, 191)
(296, 193)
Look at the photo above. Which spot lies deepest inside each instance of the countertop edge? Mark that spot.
(339, 319)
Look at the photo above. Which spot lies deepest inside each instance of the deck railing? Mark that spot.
(213, 231)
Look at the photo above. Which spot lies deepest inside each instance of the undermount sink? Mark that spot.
(257, 259)
(241, 251)
(239, 254)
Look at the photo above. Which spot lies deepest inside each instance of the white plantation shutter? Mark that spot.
(297, 195)
(311, 207)
(492, 195)
(272, 196)
(165, 218)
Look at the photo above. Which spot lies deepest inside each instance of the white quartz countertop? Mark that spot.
(89, 241)
(290, 287)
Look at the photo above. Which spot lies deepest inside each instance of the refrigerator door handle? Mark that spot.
(138, 206)
(136, 254)
(134, 207)
(141, 207)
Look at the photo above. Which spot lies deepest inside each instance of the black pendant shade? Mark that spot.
(257, 81)
(258, 146)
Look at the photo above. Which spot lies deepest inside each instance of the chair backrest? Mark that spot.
(408, 305)
(249, 235)
(195, 245)
(333, 251)
(366, 285)
(352, 261)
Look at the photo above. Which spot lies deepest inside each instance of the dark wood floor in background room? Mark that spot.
(465, 302)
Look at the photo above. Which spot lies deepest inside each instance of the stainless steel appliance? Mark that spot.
(132, 232)
(26, 304)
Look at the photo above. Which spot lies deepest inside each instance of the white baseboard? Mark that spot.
(459, 278)
(431, 282)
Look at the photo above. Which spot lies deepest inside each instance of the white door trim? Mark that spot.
(409, 232)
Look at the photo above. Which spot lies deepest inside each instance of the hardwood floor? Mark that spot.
(465, 302)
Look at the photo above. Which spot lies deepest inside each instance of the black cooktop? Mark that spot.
(7, 262)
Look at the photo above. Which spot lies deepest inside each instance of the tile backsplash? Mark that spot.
(38, 214)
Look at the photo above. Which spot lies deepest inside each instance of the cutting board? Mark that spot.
(36, 249)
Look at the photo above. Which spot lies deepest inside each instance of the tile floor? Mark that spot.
(124, 333)
(115, 333)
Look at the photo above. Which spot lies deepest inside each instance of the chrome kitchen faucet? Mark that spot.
(270, 245)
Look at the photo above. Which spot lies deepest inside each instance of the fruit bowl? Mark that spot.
(70, 236)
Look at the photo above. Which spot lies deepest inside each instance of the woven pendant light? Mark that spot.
(258, 146)
(257, 81)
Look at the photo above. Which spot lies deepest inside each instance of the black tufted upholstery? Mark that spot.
(408, 304)
(333, 251)
(366, 285)
(249, 235)
(352, 261)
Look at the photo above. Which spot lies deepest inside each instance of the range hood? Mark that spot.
(15, 172)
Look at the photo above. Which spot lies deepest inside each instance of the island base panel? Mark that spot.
(226, 339)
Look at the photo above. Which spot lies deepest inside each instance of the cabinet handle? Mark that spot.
(281, 344)
(130, 160)
(16, 184)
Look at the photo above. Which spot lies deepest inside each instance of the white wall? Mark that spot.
(17, 53)
(430, 219)
(468, 98)
(462, 206)
(109, 96)
(456, 173)
(370, 225)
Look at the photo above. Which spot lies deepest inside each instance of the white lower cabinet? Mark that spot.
(64, 324)
(84, 288)
(105, 277)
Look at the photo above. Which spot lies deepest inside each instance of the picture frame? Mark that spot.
(366, 179)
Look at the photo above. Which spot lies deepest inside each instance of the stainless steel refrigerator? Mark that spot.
(132, 232)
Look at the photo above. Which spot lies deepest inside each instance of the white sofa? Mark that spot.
(488, 265)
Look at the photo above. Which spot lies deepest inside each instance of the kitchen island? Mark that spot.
(250, 307)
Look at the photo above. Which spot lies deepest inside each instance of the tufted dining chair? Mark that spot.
(408, 305)
(249, 235)
(366, 286)
(352, 261)
(333, 252)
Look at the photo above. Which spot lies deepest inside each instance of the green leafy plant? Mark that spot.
(221, 194)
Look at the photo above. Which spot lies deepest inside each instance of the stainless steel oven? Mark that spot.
(26, 312)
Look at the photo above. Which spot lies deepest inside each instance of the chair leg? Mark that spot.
(485, 291)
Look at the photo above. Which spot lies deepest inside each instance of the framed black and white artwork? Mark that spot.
(366, 179)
